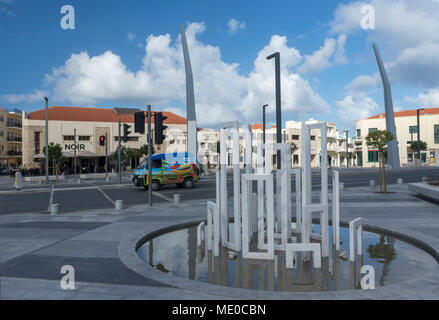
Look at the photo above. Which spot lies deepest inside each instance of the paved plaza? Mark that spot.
(100, 245)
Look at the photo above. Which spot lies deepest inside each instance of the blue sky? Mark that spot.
(104, 62)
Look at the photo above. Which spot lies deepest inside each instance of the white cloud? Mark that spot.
(319, 60)
(430, 98)
(400, 22)
(356, 107)
(36, 96)
(234, 26)
(221, 92)
(131, 36)
(417, 66)
(363, 83)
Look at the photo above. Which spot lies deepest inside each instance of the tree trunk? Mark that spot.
(56, 169)
(384, 175)
(381, 175)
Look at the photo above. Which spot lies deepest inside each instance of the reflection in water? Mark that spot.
(177, 253)
(384, 252)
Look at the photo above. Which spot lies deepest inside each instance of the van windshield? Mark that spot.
(155, 164)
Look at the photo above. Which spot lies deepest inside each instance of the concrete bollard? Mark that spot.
(400, 181)
(176, 198)
(54, 209)
(424, 179)
(79, 181)
(119, 205)
(40, 182)
(107, 178)
(372, 183)
(341, 186)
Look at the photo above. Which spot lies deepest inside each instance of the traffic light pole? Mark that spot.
(106, 155)
(74, 151)
(149, 156)
(118, 156)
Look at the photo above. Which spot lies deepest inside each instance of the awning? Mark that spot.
(82, 154)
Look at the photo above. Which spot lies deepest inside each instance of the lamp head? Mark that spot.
(273, 55)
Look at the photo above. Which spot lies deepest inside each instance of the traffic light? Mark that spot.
(126, 132)
(102, 140)
(139, 122)
(159, 127)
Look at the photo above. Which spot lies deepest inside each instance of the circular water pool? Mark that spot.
(393, 261)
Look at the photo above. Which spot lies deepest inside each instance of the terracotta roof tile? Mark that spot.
(95, 115)
(408, 113)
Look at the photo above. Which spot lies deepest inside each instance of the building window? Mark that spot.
(313, 137)
(37, 142)
(84, 138)
(413, 129)
(1, 118)
(373, 130)
(295, 159)
(358, 133)
(436, 133)
(1, 133)
(372, 156)
(295, 137)
(69, 138)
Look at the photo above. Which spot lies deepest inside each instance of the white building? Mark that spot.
(336, 144)
(406, 132)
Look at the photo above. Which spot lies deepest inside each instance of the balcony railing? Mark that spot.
(15, 139)
(14, 125)
(14, 153)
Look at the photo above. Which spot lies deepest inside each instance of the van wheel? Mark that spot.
(188, 183)
(155, 185)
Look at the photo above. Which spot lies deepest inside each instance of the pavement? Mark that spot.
(100, 194)
(100, 244)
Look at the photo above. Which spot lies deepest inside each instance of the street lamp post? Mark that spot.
(276, 55)
(47, 140)
(74, 151)
(413, 157)
(419, 136)
(347, 148)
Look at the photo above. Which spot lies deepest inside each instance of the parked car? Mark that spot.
(181, 170)
(5, 170)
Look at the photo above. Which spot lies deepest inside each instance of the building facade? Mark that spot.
(90, 125)
(406, 131)
(10, 138)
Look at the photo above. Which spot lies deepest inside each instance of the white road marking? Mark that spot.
(105, 195)
(24, 190)
(162, 196)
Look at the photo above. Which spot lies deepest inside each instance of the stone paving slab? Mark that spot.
(101, 246)
(81, 249)
(101, 270)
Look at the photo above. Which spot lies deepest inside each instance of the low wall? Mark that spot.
(426, 190)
